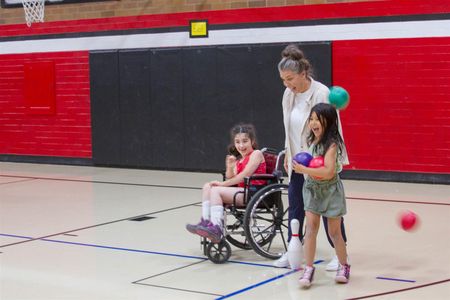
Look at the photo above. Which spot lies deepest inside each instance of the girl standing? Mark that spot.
(323, 192)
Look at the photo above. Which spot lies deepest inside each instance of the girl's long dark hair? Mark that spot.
(248, 129)
(328, 117)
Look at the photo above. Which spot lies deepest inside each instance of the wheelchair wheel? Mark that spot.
(235, 231)
(266, 221)
(219, 253)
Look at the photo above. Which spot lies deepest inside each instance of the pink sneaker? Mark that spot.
(211, 232)
(343, 274)
(307, 277)
(194, 228)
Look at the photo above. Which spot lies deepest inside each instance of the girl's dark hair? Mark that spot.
(293, 59)
(328, 117)
(248, 129)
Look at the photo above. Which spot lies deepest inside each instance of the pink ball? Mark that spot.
(317, 162)
(408, 220)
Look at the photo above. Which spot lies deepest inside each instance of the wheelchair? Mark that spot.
(261, 224)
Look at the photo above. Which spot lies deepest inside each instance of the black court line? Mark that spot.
(398, 201)
(395, 279)
(199, 188)
(96, 225)
(17, 181)
(202, 258)
(182, 290)
(166, 186)
(257, 285)
(107, 182)
(167, 272)
(172, 288)
(107, 247)
(402, 290)
(68, 234)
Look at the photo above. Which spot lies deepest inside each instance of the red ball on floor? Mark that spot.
(408, 220)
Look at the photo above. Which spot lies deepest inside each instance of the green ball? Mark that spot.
(339, 97)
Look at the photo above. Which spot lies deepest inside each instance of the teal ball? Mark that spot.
(339, 97)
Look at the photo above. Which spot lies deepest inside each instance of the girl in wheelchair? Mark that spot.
(244, 160)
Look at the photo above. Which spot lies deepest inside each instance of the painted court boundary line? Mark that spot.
(257, 285)
(131, 250)
(399, 291)
(204, 259)
(96, 225)
(199, 188)
(104, 182)
(17, 181)
(177, 289)
(173, 255)
(395, 279)
(398, 201)
(173, 288)
(263, 282)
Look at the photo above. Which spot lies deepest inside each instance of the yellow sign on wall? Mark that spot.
(199, 28)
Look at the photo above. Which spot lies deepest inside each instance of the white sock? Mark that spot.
(205, 210)
(217, 215)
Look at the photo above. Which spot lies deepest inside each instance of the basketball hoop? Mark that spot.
(34, 11)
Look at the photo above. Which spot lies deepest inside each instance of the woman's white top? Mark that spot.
(299, 114)
(296, 109)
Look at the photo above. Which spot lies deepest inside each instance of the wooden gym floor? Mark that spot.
(67, 232)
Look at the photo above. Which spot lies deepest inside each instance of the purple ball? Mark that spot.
(303, 158)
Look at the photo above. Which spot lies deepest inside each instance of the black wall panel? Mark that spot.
(167, 108)
(105, 108)
(319, 55)
(134, 72)
(268, 115)
(235, 88)
(204, 148)
(173, 108)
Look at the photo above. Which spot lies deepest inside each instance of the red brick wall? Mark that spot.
(399, 115)
(66, 133)
(91, 10)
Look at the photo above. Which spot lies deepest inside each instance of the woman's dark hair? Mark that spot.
(328, 117)
(248, 129)
(293, 59)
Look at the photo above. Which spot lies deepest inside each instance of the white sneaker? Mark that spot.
(282, 262)
(333, 265)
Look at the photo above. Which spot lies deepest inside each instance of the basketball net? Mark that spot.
(34, 11)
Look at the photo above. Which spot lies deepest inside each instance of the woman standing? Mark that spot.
(301, 94)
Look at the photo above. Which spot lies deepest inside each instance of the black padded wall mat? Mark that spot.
(167, 121)
(173, 108)
(203, 146)
(135, 108)
(105, 108)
